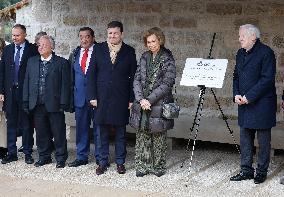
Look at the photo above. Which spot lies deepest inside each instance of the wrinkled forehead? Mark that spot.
(44, 41)
(17, 31)
(85, 33)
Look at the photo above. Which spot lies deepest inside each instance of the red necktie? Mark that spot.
(84, 60)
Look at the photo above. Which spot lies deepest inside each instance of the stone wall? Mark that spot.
(188, 25)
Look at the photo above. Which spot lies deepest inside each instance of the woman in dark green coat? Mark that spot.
(153, 83)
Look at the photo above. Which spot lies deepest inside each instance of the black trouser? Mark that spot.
(50, 125)
(247, 144)
(17, 119)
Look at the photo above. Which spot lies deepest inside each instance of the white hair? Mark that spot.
(50, 39)
(251, 30)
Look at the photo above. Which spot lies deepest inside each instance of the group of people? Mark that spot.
(104, 86)
(101, 83)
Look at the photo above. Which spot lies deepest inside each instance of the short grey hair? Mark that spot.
(50, 39)
(251, 29)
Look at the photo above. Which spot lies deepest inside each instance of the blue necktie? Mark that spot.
(17, 64)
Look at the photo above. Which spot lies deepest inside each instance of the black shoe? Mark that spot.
(140, 174)
(29, 159)
(77, 163)
(120, 169)
(42, 162)
(241, 176)
(3, 152)
(60, 164)
(21, 149)
(259, 178)
(101, 169)
(9, 158)
(159, 173)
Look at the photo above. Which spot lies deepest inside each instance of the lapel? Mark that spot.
(120, 54)
(11, 54)
(246, 60)
(51, 65)
(36, 67)
(25, 52)
(248, 55)
(106, 52)
(77, 66)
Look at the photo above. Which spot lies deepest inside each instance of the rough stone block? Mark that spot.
(66, 34)
(197, 39)
(136, 36)
(115, 8)
(60, 6)
(281, 61)
(75, 20)
(175, 37)
(184, 22)
(256, 9)
(279, 78)
(62, 48)
(185, 7)
(42, 10)
(278, 41)
(165, 22)
(243, 21)
(271, 24)
(142, 7)
(148, 21)
(224, 8)
(277, 9)
(49, 30)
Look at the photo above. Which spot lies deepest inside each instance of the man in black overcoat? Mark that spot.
(46, 93)
(12, 73)
(110, 90)
(255, 93)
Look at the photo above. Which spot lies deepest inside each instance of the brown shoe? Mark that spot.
(100, 170)
(121, 169)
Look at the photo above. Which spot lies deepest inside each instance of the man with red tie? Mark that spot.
(80, 60)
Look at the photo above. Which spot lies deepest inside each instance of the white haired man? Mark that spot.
(255, 93)
(46, 92)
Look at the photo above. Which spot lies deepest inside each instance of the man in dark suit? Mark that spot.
(37, 37)
(80, 59)
(46, 93)
(110, 90)
(12, 73)
(255, 93)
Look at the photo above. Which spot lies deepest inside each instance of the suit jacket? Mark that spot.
(78, 80)
(254, 77)
(112, 84)
(57, 84)
(7, 67)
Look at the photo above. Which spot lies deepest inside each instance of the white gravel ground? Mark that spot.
(209, 174)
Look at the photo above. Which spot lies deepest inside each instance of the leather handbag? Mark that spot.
(171, 110)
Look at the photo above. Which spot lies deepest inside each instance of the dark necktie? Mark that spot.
(84, 60)
(17, 64)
